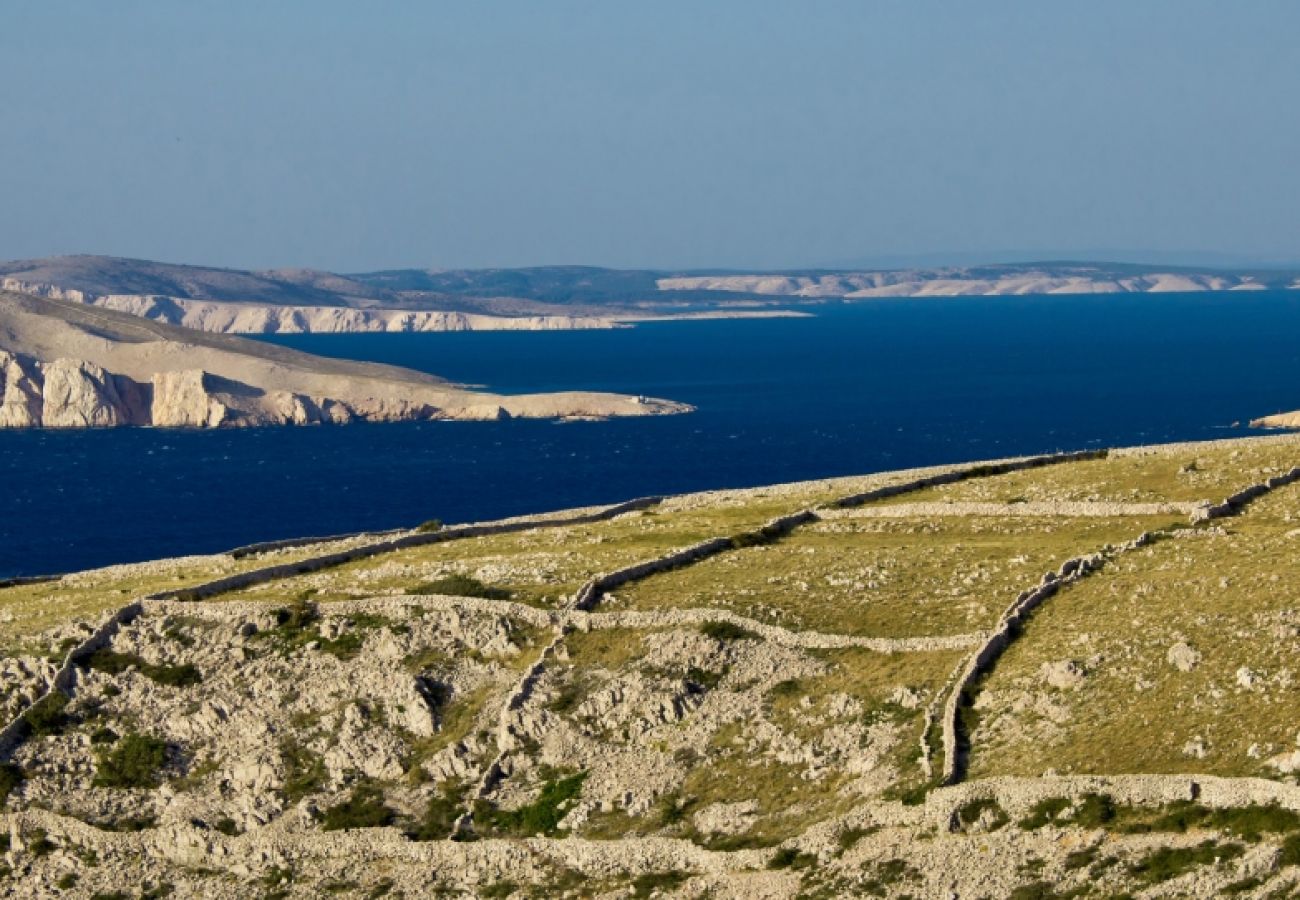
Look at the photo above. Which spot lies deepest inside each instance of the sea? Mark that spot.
(866, 387)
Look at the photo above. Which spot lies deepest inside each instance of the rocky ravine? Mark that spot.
(67, 365)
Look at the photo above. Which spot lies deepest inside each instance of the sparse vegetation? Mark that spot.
(133, 762)
(364, 808)
(542, 816)
(113, 663)
(460, 586)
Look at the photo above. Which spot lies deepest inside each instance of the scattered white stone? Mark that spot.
(1183, 657)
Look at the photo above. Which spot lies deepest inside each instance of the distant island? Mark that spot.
(283, 301)
(67, 364)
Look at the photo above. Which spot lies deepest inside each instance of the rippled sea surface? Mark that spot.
(881, 385)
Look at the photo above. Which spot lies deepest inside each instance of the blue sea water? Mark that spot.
(875, 386)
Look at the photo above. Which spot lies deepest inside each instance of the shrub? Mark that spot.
(437, 821)
(40, 843)
(101, 736)
(972, 811)
(790, 858)
(132, 763)
(228, 827)
(1170, 862)
(1289, 854)
(67, 881)
(1044, 812)
(47, 715)
(365, 808)
(10, 778)
(460, 586)
(298, 615)
(543, 815)
(726, 631)
(113, 663)
(647, 884)
(1094, 811)
(429, 526)
(304, 770)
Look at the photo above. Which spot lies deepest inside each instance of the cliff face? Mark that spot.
(67, 365)
(223, 317)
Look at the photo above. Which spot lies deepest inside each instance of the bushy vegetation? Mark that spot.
(1165, 863)
(304, 770)
(727, 631)
(542, 816)
(971, 812)
(364, 808)
(133, 762)
(460, 586)
(429, 526)
(10, 778)
(113, 663)
(48, 715)
(438, 819)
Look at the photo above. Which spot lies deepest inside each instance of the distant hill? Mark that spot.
(543, 297)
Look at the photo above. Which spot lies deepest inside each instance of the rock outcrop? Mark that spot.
(64, 364)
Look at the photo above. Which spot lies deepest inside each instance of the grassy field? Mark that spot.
(885, 577)
(1227, 594)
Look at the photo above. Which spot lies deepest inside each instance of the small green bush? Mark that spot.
(790, 858)
(460, 586)
(970, 812)
(437, 821)
(647, 884)
(543, 815)
(1289, 854)
(131, 763)
(113, 663)
(304, 770)
(1170, 862)
(365, 808)
(228, 827)
(67, 881)
(429, 526)
(1044, 812)
(40, 843)
(101, 736)
(1094, 811)
(10, 778)
(727, 631)
(47, 715)
(297, 616)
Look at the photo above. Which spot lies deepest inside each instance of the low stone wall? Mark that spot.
(589, 594)
(982, 470)
(330, 560)
(1018, 795)
(1233, 504)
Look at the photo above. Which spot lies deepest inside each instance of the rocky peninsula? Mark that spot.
(65, 364)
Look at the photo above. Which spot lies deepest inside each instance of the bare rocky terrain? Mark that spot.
(1046, 678)
(548, 297)
(65, 364)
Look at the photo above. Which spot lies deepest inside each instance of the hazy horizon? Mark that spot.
(731, 136)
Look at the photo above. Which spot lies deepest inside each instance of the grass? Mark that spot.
(133, 762)
(866, 577)
(1219, 592)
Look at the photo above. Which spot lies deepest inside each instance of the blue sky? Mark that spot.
(356, 136)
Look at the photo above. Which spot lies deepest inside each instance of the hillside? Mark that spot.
(547, 297)
(66, 364)
(1067, 676)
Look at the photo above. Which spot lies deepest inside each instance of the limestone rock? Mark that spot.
(20, 392)
(1183, 657)
(182, 399)
(1064, 674)
(79, 394)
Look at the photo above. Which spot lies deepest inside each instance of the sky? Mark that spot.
(673, 134)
